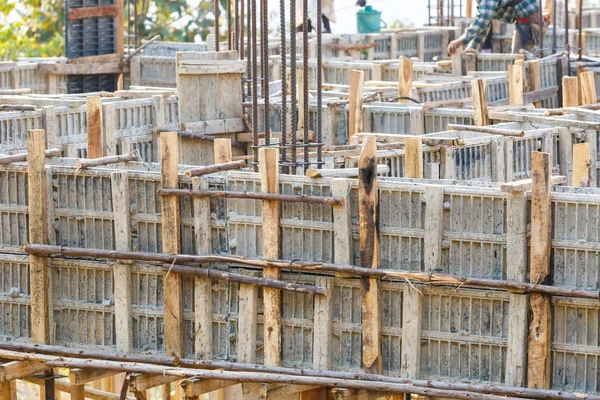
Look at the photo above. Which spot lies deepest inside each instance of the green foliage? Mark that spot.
(35, 28)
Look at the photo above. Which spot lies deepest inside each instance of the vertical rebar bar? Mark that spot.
(216, 12)
(229, 37)
(128, 26)
(236, 26)
(264, 62)
(284, 92)
(135, 27)
(567, 44)
(553, 26)
(293, 88)
(541, 28)
(318, 121)
(580, 11)
(305, 80)
(254, 78)
(242, 30)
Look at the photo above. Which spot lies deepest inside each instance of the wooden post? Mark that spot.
(434, 213)
(469, 11)
(93, 115)
(582, 165)
(38, 233)
(355, 116)
(516, 252)
(516, 79)
(413, 157)
(565, 151)
(247, 324)
(588, 88)
(480, 114)
(456, 61)
(108, 129)
(52, 84)
(16, 82)
(135, 71)
(342, 225)
(570, 96)
(535, 78)
(50, 126)
(122, 272)
(269, 180)
(470, 61)
(202, 285)
(412, 318)
(169, 159)
(8, 390)
(158, 122)
(368, 199)
(405, 78)
(322, 332)
(540, 334)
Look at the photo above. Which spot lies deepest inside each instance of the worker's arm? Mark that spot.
(477, 31)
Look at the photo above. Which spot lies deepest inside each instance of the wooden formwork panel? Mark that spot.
(14, 127)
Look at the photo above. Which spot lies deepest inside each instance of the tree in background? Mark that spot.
(35, 28)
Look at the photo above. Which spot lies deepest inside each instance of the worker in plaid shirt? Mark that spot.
(520, 12)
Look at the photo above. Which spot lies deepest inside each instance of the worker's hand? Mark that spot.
(453, 46)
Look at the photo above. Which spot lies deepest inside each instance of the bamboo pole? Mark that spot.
(249, 280)
(97, 162)
(487, 129)
(244, 377)
(235, 366)
(290, 198)
(5, 160)
(425, 278)
(211, 169)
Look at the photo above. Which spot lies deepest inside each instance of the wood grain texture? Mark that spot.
(368, 199)
(539, 373)
(413, 157)
(587, 85)
(269, 180)
(38, 233)
(516, 82)
(570, 89)
(355, 113)
(323, 323)
(405, 78)
(93, 115)
(582, 165)
(535, 78)
(479, 90)
(92, 12)
(171, 234)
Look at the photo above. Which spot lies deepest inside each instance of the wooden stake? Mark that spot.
(269, 179)
(222, 151)
(355, 116)
(570, 96)
(413, 157)
(582, 165)
(516, 79)
(588, 88)
(369, 256)
(93, 115)
(405, 78)
(469, 11)
(322, 332)
(38, 233)
(457, 61)
(479, 89)
(535, 78)
(169, 170)
(540, 334)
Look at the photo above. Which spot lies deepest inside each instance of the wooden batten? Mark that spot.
(355, 113)
(480, 112)
(570, 95)
(413, 157)
(535, 78)
(93, 114)
(269, 178)
(540, 336)
(38, 233)
(582, 165)
(171, 234)
(405, 79)
(369, 256)
(587, 85)
(516, 82)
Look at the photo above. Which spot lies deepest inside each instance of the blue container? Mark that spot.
(368, 20)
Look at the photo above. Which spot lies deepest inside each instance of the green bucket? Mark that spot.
(369, 20)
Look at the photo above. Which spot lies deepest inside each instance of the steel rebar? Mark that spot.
(293, 82)
(264, 63)
(284, 92)
(305, 74)
(216, 12)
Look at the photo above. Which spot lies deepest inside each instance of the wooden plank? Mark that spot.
(269, 180)
(323, 323)
(469, 10)
(412, 317)
(198, 387)
(525, 185)
(342, 226)
(314, 394)
(405, 79)
(38, 233)
(8, 390)
(50, 126)
(457, 61)
(368, 198)
(582, 165)
(434, 212)
(516, 81)
(276, 391)
(141, 383)
(565, 153)
(93, 116)
(417, 121)
(470, 61)
(253, 391)
(355, 116)
(77, 392)
(225, 125)
(135, 71)
(570, 96)
(121, 202)
(247, 323)
(413, 157)
(109, 125)
(535, 78)
(516, 357)
(120, 28)
(20, 369)
(82, 69)
(78, 376)
(540, 335)
(222, 151)
(104, 58)
(173, 296)
(202, 285)
(92, 12)
(479, 90)
(588, 88)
